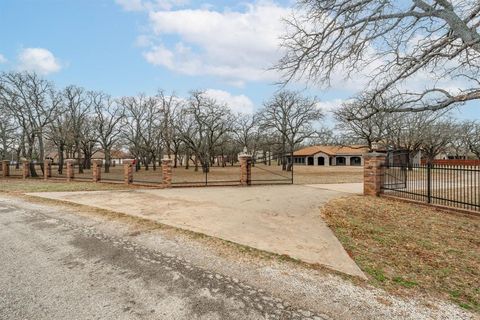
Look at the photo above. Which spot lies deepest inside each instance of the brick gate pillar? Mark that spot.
(6, 168)
(70, 169)
(25, 169)
(167, 172)
(47, 169)
(245, 169)
(374, 171)
(97, 170)
(128, 170)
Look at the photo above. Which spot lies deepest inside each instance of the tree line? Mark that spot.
(38, 120)
(429, 132)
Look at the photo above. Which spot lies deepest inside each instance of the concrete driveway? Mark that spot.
(354, 188)
(280, 219)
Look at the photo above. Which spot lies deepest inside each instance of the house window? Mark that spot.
(299, 160)
(355, 161)
(340, 161)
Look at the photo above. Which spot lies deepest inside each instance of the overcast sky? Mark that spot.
(125, 47)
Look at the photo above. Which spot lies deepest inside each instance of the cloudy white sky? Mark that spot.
(126, 47)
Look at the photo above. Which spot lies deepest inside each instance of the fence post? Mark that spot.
(6, 168)
(70, 169)
(374, 171)
(25, 169)
(167, 172)
(47, 169)
(128, 171)
(97, 170)
(245, 169)
(429, 182)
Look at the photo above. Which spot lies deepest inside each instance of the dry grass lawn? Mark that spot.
(411, 249)
(19, 186)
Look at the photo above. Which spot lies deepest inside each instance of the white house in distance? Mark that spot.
(330, 156)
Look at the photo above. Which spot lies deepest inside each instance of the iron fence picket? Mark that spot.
(455, 186)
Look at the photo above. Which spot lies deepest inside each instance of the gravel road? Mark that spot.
(54, 269)
(56, 264)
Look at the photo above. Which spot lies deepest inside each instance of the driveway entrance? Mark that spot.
(280, 219)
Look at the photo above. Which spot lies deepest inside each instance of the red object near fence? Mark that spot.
(454, 162)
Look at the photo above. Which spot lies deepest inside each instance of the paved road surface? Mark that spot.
(51, 268)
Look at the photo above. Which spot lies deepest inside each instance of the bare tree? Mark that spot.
(436, 138)
(108, 117)
(353, 120)
(7, 132)
(291, 115)
(472, 137)
(34, 102)
(408, 132)
(77, 105)
(393, 42)
(247, 131)
(142, 127)
(459, 140)
(202, 126)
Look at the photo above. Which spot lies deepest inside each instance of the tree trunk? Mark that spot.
(41, 150)
(60, 159)
(108, 160)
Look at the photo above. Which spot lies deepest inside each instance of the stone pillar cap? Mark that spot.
(244, 155)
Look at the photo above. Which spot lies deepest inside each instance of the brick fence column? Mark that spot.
(6, 168)
(374, 171)
(47, 169)
(25, 169)
(128, 170)
(70, 169)
(97, 170)
(167, 172)
(245, 169)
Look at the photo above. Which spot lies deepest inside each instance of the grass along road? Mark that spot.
(19, 186)
(410, 249)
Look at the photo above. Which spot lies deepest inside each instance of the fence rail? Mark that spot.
(446, 185)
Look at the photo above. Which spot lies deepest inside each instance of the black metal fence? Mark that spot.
(272, 169)
(454, 186)
(265, 170)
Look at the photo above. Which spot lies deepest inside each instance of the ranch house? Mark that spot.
(330, 156)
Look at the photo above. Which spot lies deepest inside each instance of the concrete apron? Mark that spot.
(280, 219)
